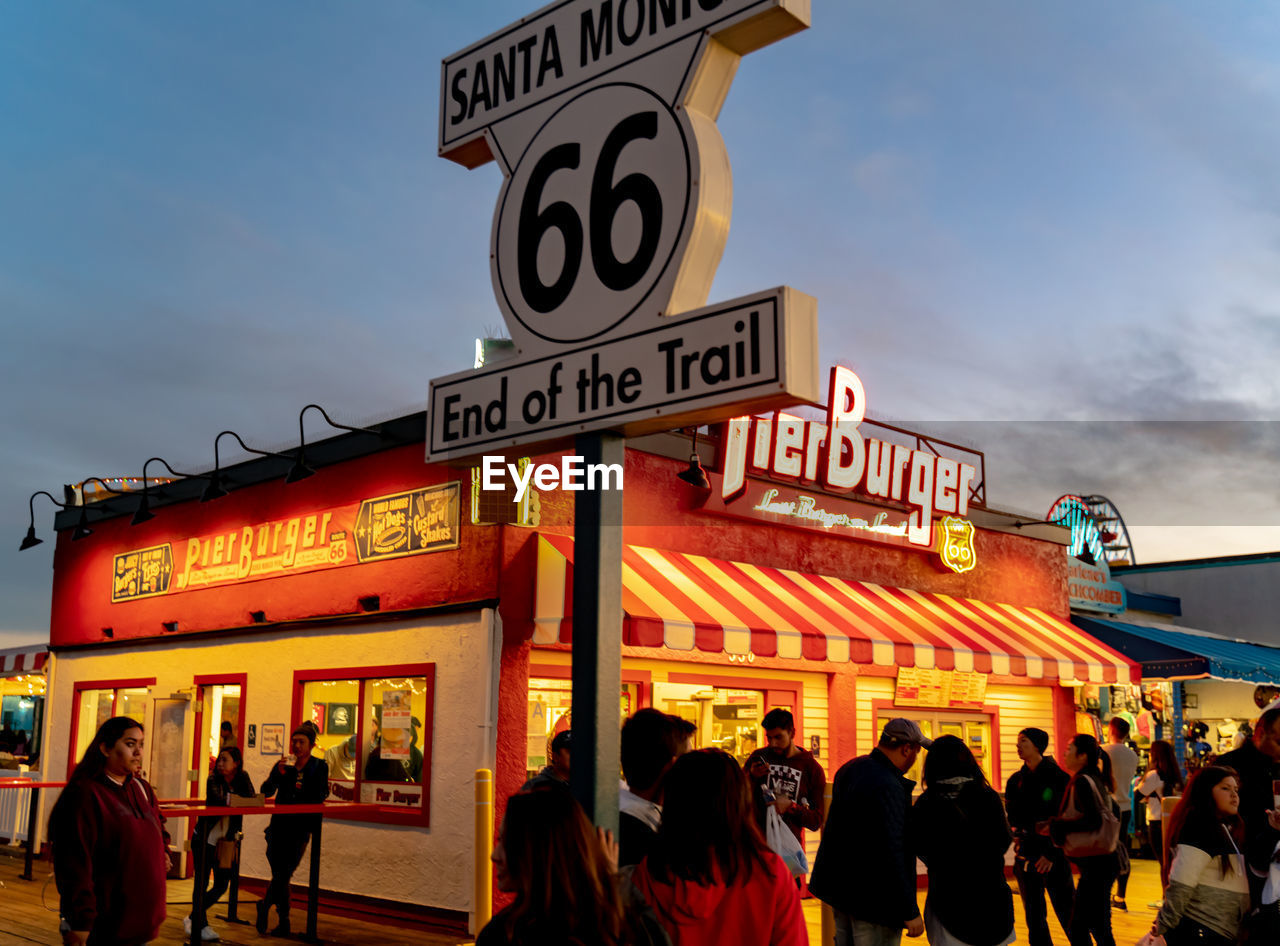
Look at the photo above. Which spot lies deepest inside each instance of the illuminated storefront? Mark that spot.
(23, 685)
(427, 631)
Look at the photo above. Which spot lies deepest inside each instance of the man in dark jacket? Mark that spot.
(1034, 794)
(1258, 765)
(864, 868)
(300, 780)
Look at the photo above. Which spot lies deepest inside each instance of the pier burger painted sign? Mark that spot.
(837, 458)
(610, 224)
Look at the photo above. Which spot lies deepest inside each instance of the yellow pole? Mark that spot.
(828, 918)
(483, 894)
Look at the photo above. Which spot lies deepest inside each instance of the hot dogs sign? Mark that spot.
(610, 224)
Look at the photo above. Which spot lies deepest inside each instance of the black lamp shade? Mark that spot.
(695, 475)
(144, 511)
(30, 540)
(214, 490)
(300, 471)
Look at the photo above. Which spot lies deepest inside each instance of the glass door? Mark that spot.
(169, 771)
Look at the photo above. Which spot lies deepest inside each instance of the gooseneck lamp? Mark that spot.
(144, 506)
(695, 475)
(31, 539)
(300, 469)
(215, 488)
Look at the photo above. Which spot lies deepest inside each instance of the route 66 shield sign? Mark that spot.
(955, 543)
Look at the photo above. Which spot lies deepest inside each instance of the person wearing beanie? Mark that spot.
(1033, 795)
(300, 780)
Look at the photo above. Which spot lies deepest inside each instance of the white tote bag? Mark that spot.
(784, 843)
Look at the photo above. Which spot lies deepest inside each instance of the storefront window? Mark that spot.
(549, 713)
(726, 718)
(220, 705)
(973, 729)
(375, 734)
(21, 712)
(97, 705)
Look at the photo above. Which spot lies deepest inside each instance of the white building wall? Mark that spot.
(424, 866)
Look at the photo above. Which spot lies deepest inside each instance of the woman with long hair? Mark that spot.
(959, 830)
(710, 876)
(1085, 806)
(227, 778)
(1163, 779)
(109, 854)
(553, 860)
(1208, 892)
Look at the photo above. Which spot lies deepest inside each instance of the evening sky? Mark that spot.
(1050, 230)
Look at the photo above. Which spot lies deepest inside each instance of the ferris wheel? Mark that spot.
(1098, 532)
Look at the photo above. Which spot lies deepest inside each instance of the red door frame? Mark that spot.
(113, 685)
(197, 751)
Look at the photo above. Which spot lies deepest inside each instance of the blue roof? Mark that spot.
(1180, 654)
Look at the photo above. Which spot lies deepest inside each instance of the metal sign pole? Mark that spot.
(597, 636)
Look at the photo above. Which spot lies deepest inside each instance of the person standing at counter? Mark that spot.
(109, 854)
(228, 778)
(302, 780)
(864, 867)
(958, 828)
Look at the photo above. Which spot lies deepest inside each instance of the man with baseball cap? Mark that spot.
(865, 869)
(556, 773)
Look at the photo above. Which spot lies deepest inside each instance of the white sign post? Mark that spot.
(611, 221)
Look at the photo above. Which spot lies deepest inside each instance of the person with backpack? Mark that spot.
(1087, 829)
(959, 830)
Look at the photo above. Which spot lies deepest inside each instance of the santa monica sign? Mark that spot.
(610, 224)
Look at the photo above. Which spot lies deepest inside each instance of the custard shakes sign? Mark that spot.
(838, 458)
(409, 523)
(610, 224)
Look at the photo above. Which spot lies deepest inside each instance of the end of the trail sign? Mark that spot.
(749, 354)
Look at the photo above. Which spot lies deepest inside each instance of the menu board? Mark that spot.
(918, 686)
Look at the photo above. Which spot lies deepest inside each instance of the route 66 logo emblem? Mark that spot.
(955, 543)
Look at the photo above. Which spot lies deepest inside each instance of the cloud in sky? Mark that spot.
(1008, 212)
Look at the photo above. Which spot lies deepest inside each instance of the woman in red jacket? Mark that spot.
(109, 856)
(711, 877)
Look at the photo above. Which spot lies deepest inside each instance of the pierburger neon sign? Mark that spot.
(837, 458)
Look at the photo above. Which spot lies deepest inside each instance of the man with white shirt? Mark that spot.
(651, 740)
(1124, 766)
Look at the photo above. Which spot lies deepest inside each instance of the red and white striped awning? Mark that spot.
(17, 660)
(686, 601)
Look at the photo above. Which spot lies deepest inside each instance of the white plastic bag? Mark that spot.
(784, 843)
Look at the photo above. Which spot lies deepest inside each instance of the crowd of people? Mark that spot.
(696, 860)
(692, 865)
